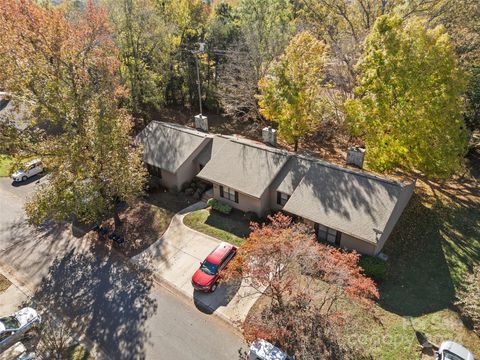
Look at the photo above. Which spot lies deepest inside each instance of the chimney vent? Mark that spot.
(269, 135)
(356, 156)
(201, 122)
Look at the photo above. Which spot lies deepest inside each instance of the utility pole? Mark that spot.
(195, 52)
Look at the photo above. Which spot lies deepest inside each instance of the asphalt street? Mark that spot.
(126, 313)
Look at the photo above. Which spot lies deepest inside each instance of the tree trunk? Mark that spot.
(116, 217)
(296, 145)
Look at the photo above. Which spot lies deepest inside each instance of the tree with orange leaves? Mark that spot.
(64, 68)
(305, 280)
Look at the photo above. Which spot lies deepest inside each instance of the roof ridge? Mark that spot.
(259, 146)
(182, 128)
(322, 162)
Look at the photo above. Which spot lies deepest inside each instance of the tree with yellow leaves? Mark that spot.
(291, 95)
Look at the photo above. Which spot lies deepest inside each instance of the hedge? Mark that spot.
(220, 207)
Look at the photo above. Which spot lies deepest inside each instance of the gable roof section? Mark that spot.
(168, 146)
(291, 174)
(211, 149)
(353, 203)
(244, 167)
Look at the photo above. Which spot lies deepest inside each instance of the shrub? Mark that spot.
(211, 202)
(469, 300)
(374, 267)
(252, 216)
(154, 183)
(220, 207)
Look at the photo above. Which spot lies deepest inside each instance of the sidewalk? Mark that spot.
(177, 255)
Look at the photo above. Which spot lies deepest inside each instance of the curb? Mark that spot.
(95, 349)
(169, 286)
(177, 291)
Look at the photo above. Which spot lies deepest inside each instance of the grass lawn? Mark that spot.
(6, 162)
(231, 228)
(78, 352)
(434, 245)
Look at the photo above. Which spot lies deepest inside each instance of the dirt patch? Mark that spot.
(145, 222)
(4, 283)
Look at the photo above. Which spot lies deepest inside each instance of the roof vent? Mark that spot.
(356, 156)
(201, 122)
(269, 135)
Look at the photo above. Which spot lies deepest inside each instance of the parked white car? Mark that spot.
(450, 350)
(263, 350)
(14, 327)
(31, 168)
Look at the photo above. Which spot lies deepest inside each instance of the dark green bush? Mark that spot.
(220, 207)
(373, 267)
(211, 202)
(252, 216)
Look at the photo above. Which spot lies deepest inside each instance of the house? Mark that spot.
(241, 174)
(350, 208)
(13, 111)
(170, 152)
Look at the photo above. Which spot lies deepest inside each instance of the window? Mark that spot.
(229, 193)
(282, 198)
(326, 234)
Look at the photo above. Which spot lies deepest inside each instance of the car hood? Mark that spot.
(25, 315)
(202, 278)
(19, 173)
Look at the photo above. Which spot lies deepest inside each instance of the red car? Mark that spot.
(205, 278)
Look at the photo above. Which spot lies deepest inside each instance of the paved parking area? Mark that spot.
(177, 255)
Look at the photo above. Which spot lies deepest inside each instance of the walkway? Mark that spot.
(177, 255)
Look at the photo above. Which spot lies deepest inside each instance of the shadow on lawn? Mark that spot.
(235, 223)
(102, 298)
(430, 251)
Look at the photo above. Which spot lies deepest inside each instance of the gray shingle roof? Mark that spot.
(168, 146)
(13, 111)
(210, 149)
(291, 174)
(354, 203)
(244, 167)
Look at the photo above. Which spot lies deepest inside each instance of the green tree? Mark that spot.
(265, 29)
(144, 38)
(64, 70)
(410, 99)
(291, 94)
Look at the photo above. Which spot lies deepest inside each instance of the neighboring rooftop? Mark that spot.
(245, 167)
(168, 146)
(351, 202)
(12, 110)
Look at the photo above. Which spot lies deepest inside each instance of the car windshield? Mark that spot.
(209, 268)
(451, 356)
(10, 322)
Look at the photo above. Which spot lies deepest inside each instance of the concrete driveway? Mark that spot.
(177, 255)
